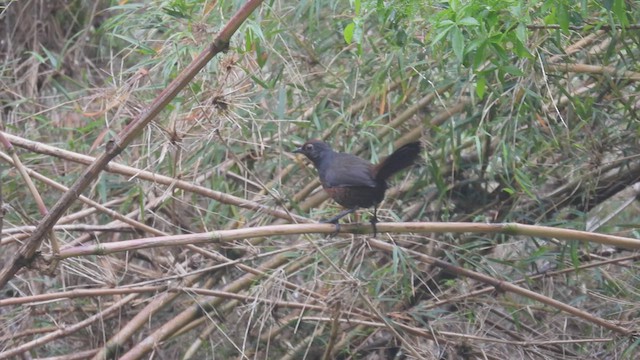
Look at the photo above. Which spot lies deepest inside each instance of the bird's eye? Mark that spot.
(308, 147)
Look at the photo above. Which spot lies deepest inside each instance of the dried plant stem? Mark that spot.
(222, 236)
(173, 325)
(153, 177)
(508, 287)
(594, 69)
(124, 334)
(42, 208)
(27, 251)
(84, 199)
(489, 289)
(68, 329)
(77, 293)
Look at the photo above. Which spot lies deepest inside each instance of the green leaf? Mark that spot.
(441, 34)
(348, 32)
(525, 182)
(144, 50)
(457, 42)
(574, 247)
(468, 21)
(481, 86)
(520, 49)
(53, 59)
(261, 55)
(479, 57)
(260, 82)
(513, 70)
(478, 142)
(396, 259)
(521, 32)
(445, 23)
(37, 56)
(453, 4)
(563, 17)
(247, 40)
(619, 10)
(358, 34)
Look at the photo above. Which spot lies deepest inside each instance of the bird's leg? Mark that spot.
(374, 220)
(342, 214)
(336, 219)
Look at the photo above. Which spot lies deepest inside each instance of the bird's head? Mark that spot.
(315, 150)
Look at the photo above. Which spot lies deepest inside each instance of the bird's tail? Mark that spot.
(402, 158)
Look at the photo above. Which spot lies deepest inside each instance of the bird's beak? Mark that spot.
(297, 151)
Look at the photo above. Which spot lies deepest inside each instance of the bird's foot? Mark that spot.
(374, 221)
(335, 222)
(336, 219)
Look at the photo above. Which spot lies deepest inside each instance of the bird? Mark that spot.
(354, 182)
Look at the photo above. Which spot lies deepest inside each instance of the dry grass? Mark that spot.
(170, 254)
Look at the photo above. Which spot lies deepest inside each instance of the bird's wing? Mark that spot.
(348, 170)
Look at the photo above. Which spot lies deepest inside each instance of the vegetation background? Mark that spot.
(528, 111)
